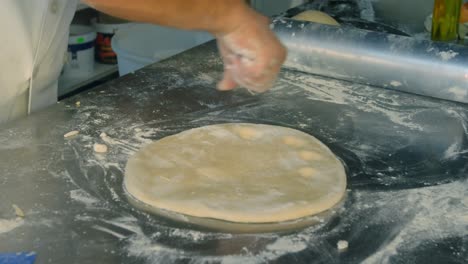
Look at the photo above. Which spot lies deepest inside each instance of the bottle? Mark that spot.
(445, 20)
(463, 24)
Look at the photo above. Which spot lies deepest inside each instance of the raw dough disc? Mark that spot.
(317, 17)
(245, 173)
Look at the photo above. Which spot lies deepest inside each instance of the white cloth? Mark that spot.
(34, 40)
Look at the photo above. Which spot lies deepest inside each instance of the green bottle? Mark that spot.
(445, 20)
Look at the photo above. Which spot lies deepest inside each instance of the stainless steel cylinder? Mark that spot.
(401, 63)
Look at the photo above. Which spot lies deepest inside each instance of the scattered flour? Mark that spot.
(339, 92)
(440, 212)
(447, 55)
(83, 197)
(367, 9)
(107, 230)
(459, 93)
(143, 238)
(286, 245)
(453, 151)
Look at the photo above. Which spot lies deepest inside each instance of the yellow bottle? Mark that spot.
(445, 20)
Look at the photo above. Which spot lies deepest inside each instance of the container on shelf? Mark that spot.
(138, 45)
(80, 55)
(445, 20)
(106, 27)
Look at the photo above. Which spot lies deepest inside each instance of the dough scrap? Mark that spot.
(215, 172)
(100, 148)
(342, 245)
(71, 134)
(317, 17)
(18, 211)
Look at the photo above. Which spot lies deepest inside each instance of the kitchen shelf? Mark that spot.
(68, 84)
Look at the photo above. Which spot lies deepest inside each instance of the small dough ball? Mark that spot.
(100, 148)
(18, 211)
(293, 141)
(342, 245)
(71, 134)
(309, 155)
(307, 172)
(317, 17)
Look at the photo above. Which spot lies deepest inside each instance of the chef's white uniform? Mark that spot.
(34, 36)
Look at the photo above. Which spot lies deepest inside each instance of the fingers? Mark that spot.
(227, 83)
(257, 75)
(252, 57)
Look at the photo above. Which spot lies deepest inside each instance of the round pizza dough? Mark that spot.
(244, 173)
(317, 17)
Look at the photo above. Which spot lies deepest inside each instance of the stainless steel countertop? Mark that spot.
(406, 158)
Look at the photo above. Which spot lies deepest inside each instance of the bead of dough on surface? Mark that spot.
(342, 245)
(18, 211)
(71, 134)
(100, 148)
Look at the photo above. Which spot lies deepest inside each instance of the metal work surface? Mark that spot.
(406, 158)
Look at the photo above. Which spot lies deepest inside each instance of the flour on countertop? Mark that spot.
(453, 151)
(367, 9)
(447, 55)
(446, 205)
(340, 92)
(83, 197)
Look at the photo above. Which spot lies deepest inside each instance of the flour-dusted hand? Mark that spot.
(252, 55)
(251, 52)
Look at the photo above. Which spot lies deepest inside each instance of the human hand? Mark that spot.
(252, 55)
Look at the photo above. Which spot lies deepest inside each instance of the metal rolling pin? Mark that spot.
(434, 69)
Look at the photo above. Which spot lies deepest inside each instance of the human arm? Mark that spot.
(252, 54)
